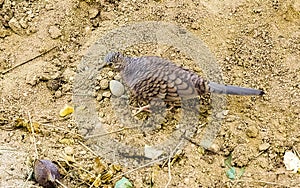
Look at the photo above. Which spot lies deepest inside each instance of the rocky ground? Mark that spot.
(256, 44)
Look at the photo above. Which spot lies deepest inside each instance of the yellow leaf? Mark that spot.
(66, 110)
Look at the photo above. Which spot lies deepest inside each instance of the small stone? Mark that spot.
(69, 150)
(66, 88)
(101, 114)
(116, 88)
(214, 148)
(54, 32)
(44, 78)
(107, 15)
(106, 94)
(93, 12)
(53, 85)
(110, 74)
(4, 33)
(225, 112)
(99, 97)
(58, 94)
(23, 23)
(32, 81)
(252, 132)
(15, 26)
(263, 146)
(117, 77)
(104, 84)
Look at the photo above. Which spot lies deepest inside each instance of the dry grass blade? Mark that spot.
(31, 59)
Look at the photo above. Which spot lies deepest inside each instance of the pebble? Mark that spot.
(117, 77)
(106, 94)
(69, 150)
(93, 12)
(15, 26)
(32, 81)
(23, 23)
(214, 148)
(252, 132)
(116, 88)
(54, 32)
(104, 84)
(263, 146)
(99, 97)
(58, 94)
(110, 74)
(4, 33)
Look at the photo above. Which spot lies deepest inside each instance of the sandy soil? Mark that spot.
(256, 43)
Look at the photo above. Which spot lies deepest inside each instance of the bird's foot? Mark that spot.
(146, 108)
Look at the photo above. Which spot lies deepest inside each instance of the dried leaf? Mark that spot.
(45, 173)
(23, 123)
(68, 141)
(66, 110)
(99, 166)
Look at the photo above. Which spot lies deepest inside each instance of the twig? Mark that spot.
(108, 133)
(169, 162)
(29, 176)
(61, 166)
(98, 177)
(31, 59)
(169, 172)
(57, 181)
(67, 131)
(56, 120)
(88, 148)
(76, 167)
(140, 167)
(33, 136)
(8, 149)
(261, 181)
(35, 148)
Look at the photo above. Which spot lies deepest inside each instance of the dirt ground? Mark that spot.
(256, 43)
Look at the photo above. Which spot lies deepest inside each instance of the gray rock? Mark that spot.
(116, 88)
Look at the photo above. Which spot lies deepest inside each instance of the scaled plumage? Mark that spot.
(151, 77)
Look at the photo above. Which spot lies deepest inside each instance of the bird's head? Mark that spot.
(116, 58)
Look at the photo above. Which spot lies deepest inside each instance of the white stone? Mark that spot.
(291, 161)
(116, 88)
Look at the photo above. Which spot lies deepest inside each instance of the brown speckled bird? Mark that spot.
(151, 77)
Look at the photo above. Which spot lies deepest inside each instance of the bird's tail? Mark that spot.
(233, 90)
